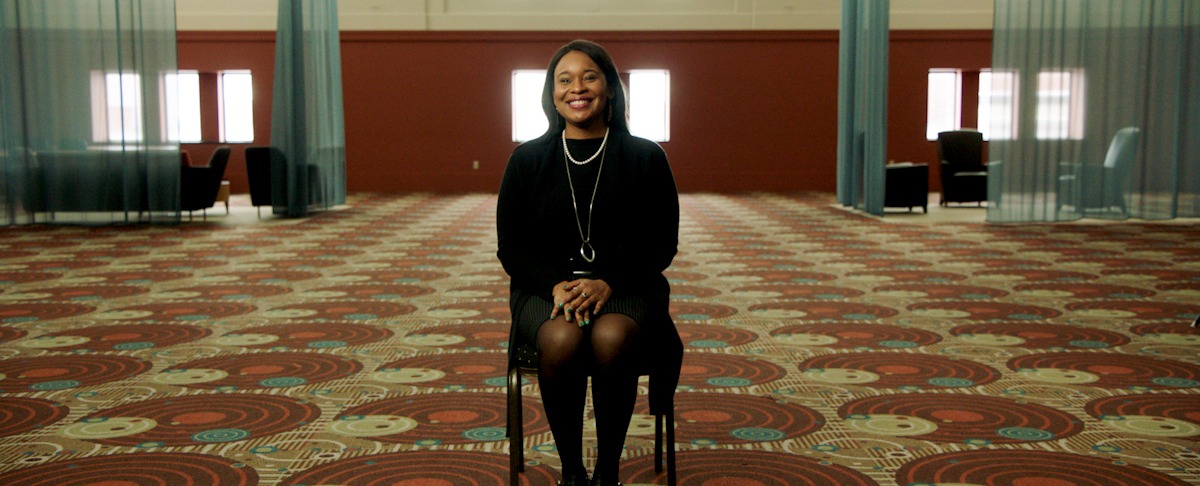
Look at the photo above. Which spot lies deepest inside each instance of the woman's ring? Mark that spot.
(585, 295)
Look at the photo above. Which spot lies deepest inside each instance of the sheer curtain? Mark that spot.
(1094, 110)
(862, 103)
(85, 107)
(306, 112)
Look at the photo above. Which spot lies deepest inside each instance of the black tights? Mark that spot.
(567, 353)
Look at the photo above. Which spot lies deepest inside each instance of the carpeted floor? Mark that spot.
(823, 347)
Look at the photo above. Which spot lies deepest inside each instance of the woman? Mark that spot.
(588, 220)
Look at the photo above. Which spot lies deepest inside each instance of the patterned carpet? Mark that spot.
(366, 346)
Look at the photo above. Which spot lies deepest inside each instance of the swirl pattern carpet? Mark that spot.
(366, 345)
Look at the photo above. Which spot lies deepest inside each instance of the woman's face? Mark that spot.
(580, 94)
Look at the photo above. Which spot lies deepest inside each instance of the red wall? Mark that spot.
(749, 110)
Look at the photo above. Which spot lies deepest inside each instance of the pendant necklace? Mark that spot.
(585, 250)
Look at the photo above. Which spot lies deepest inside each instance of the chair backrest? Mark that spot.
(258, 173)
(218, 161)
(216, 172)
(1123, 148)
(962, 150)
(1118, 165)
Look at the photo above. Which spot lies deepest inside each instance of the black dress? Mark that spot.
(634, 226)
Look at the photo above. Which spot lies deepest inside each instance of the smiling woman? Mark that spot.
(587, 221)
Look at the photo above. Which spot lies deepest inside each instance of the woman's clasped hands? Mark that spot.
(580, 299)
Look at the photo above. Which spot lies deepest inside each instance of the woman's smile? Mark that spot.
(579, 103)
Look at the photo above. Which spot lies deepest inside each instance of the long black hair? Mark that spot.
(618, 105)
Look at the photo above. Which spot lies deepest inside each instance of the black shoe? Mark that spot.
(599, 480)
(577, 479)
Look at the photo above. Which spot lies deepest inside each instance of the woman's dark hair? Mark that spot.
(617, 105)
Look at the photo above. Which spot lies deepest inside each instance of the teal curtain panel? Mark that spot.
(1094, 107)
(307, 123)
(862, 104)
(85, 110)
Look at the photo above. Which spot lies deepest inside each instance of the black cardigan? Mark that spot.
(635, 233)
(635, 227)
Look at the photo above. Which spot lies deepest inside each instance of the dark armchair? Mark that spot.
(1101, 187)
(907, 185)
(199, 185)
(266, 171)
(963, 175)
(260, 163)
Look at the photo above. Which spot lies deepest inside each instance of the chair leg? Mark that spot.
(658, 445)
(516, 442)
(670, 426)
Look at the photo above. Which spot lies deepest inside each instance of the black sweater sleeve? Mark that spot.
(650, 207)
(515, 210)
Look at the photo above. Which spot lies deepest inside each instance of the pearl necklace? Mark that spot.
(586, 250)
(589, 159)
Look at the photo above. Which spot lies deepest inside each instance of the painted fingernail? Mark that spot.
(560, 304)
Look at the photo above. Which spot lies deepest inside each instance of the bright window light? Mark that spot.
(997, 104)
(944, 106)
(1060, 105)
(182, 107)
(650, 103)
(529, 122)
(236, 92)
(116, 107)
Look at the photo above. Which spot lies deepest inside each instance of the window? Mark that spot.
(528, 119)
(1059, 112)
(182, 107)
(997, 104)
(236, 94)
(944, 106)
(649, 104)
(1060, 105)
(116, 107)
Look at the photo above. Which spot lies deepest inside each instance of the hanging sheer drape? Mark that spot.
(1094, 107)
(862, 104)
(306, 114)
(84, 97)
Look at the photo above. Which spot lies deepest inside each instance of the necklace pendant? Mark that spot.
(587, 252)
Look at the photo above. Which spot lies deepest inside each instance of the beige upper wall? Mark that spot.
(558, 15)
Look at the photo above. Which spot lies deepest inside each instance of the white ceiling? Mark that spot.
(593, 15)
